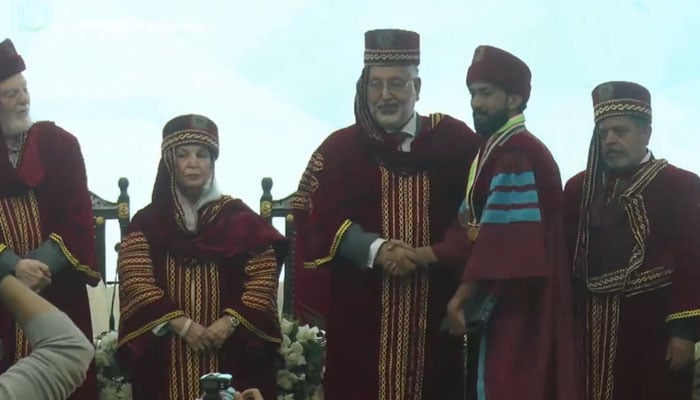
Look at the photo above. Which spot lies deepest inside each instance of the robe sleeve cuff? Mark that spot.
(150, 326)
(686, 328)
(161, 329)
(334, 247)
(50, 254)
(8, 261)
(683, 315)
(254, 329)
(72, 261)
(356, 246)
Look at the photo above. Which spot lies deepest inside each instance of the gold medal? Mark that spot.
(473, 232)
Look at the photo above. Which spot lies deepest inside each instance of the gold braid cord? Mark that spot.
(196, 289)
(627, 279)
(334, 246)
(189, 136)
(138, 286)
(260, 287)
(20, 226)
(74, 262)
(602, 322)
(308, 184)
(405, 216)
(435, 119)
(606, 292)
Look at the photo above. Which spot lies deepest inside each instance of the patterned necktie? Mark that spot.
(400, 138)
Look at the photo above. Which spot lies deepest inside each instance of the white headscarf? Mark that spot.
(190, 210)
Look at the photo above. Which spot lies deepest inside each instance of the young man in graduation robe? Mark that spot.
(509, 235)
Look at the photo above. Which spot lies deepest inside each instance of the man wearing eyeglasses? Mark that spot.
(371, 193)
(46, 234)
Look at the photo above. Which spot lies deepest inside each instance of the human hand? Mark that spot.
(680, 353)
(196, 336)
(456, 321)
(221, 329)
(397, 258)
(425, 256)
(250, 394)
(33, 273)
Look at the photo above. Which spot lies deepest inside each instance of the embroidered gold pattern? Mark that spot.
(603, 323)
(71, 258)
(20, 227)
(189, 136)
(620, 107)
(308, 184)
(260, 288)
(391, 55)
(149, 326)
(626, 279)
(435, 119)
(20, 223)
(258, 332)
(405, 216)
(138, 285)
(638, 282)
(683, 314)
(334, 246)
(185, 285)
(211, 211)
(606, 291)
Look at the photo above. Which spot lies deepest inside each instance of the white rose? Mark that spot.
(305, 333)
(102, 359)
(284, 379)
(286, 341)
(294, 355)
(318, 393)
(126, 392)
(286, 326)
(110, 341)
(109, 393)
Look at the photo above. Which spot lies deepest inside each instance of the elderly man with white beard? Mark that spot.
(46, 223)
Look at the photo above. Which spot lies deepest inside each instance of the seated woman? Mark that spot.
(199, 273)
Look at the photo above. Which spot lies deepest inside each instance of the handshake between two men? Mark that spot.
(399, 259)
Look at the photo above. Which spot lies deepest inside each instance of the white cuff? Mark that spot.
(161, 329)
(373, 250)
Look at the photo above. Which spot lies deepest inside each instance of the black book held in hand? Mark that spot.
(478, 311)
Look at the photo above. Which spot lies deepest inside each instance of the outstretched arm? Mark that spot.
(55, 341)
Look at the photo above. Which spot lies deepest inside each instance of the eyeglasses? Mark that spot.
(394, 86)
(12, 94)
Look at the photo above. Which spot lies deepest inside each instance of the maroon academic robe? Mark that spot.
(46, 198)
(229, 267)
(526, 350)
(383, 338)
(637, 267)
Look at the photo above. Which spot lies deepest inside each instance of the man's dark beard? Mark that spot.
(492, 123)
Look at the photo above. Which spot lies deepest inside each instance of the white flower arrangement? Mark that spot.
(304, 352)
(113, 382)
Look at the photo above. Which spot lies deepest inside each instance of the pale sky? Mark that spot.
(278, 76)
